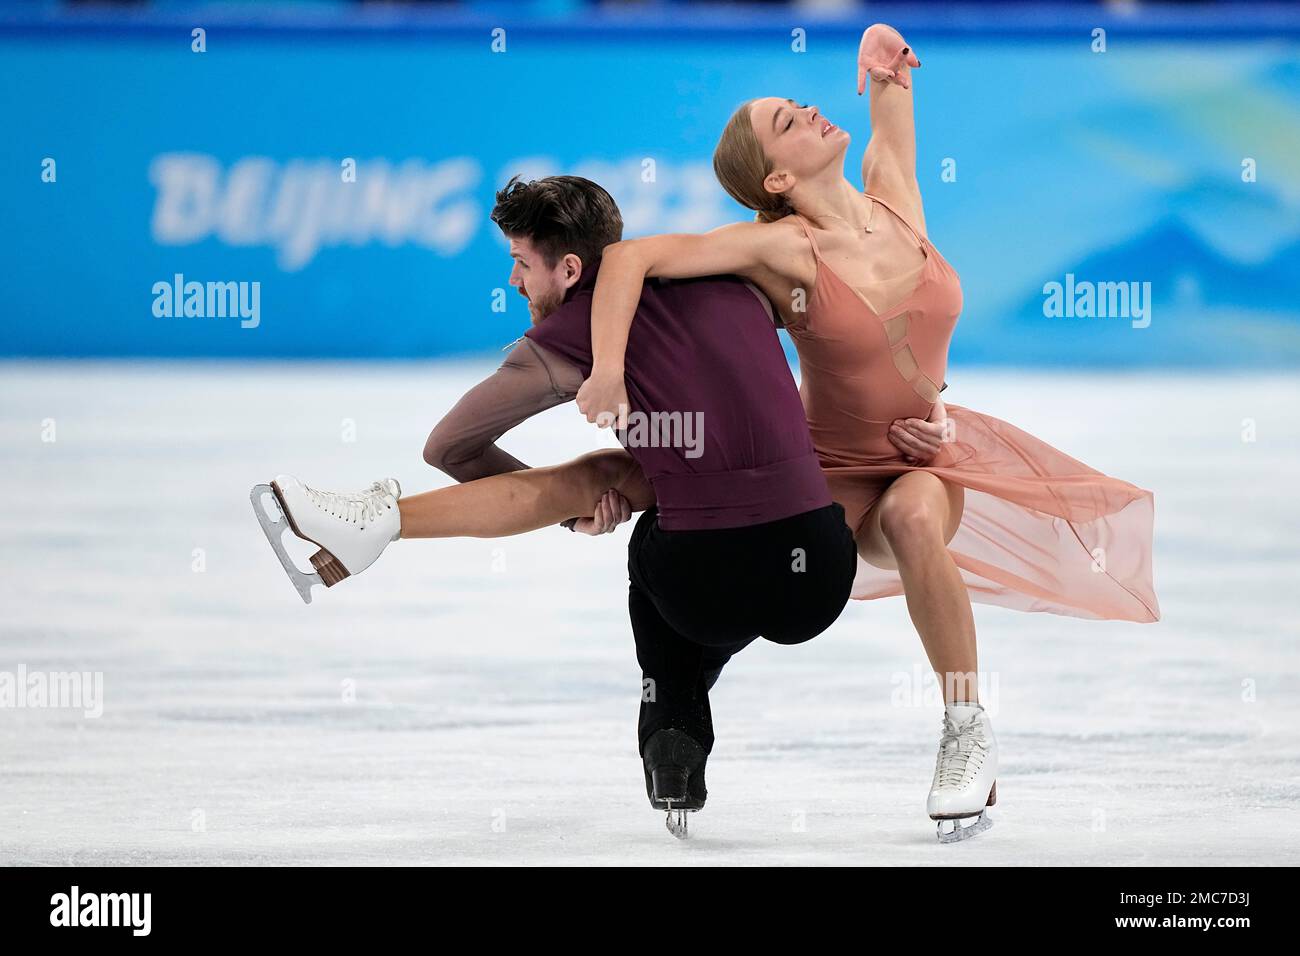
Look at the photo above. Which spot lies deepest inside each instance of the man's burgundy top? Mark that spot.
(705, 375)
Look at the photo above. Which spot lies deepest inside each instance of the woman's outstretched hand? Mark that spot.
(602, 399)
(884, 55)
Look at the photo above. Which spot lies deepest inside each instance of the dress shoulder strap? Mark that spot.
(916, 235)
(808, 232)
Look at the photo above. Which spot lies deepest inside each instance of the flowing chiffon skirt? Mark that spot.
(1041, 531)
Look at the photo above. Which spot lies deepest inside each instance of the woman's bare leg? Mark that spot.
(521, 501)
(909, 529)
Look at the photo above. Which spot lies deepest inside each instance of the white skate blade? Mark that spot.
(677, 825)
(958, 833)
(274, 531)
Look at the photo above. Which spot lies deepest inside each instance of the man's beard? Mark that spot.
(540, 307)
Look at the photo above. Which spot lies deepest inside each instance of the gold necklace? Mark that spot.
(870, 215)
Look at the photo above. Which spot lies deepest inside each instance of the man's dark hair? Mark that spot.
(560, 215)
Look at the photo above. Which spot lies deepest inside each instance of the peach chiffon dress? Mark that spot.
(1041, 531)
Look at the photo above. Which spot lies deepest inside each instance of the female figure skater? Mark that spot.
(997, 516)
(740, 537)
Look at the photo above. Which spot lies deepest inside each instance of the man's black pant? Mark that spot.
(698, 597)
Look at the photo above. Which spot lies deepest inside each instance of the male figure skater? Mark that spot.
(742, 539)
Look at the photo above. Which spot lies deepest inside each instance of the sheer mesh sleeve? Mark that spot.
(529, 381)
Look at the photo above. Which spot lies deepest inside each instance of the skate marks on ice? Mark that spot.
(417, 714)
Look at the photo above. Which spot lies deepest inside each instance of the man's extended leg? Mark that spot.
(351, 530)
(526, 500)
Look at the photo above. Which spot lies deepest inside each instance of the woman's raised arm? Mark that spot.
(889, 161)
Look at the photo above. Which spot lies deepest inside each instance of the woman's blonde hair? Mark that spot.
(741, 166)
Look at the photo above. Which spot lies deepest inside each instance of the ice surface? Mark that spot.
(475, 701)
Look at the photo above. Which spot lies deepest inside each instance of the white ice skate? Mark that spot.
(352, 530)
(965, 774)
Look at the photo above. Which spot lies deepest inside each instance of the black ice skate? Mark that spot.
(674, 777)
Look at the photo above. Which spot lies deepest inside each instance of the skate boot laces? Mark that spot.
(961, 751)
(354, 508)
